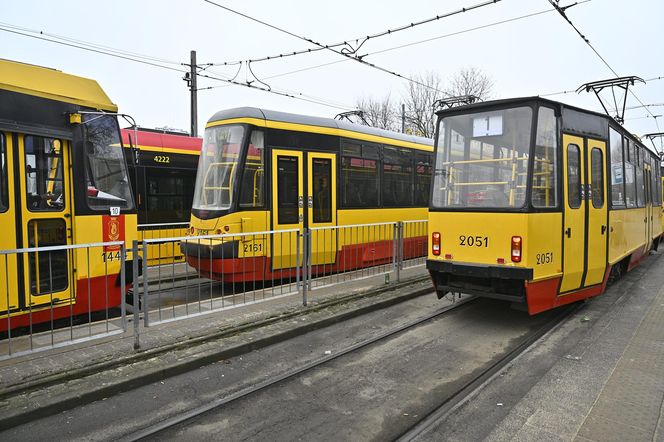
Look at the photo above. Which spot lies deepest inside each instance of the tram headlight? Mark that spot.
(516, 248)
(435, 243)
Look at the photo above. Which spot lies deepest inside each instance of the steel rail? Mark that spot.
(473, 386)
(219, 402)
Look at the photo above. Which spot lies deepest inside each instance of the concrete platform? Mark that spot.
(599, 376)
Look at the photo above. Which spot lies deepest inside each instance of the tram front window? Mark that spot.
(106, 170)
(482, 160)
(217, 169)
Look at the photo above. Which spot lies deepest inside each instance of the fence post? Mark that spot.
(146, 320)
(402, 228)
(305, 248)
(123, 286)
(134, 283)
(395, 250)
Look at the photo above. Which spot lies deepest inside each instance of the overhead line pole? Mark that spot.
(193, 88)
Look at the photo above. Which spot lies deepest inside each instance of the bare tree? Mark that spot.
(422, 92)
(379, 113)
(470, 81)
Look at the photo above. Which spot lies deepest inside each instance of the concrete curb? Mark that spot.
(62, 403)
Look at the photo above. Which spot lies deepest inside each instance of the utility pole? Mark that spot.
(191, 77)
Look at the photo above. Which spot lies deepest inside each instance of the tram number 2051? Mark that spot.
(474, 241)
(544, 258)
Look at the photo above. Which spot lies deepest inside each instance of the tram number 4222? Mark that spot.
(476, 241)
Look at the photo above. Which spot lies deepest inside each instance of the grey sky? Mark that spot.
(535, 55)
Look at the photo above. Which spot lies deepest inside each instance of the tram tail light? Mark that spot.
(435, 243)
(516, 248)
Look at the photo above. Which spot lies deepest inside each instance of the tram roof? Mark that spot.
(53, 84)
(556, 104)
(313, 124)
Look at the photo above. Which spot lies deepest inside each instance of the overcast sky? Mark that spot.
(537, 55)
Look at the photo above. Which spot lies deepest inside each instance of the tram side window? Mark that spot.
(640, 184)
(252, 188)
(545, 188)
(617, 171)
(359, 166)
(573, 176)
(43, 174)
(656, 196)
(397, 177)
(169, 194)
(423, 171)
(630, 174)
(597, 177)
(3, 174)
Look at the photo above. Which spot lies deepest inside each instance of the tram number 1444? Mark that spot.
(110, 256)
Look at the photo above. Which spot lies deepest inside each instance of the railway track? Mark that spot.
(175, 421)
(171, 425)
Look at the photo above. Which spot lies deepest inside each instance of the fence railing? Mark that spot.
(59, 295)
(75, 293)
(164, 253)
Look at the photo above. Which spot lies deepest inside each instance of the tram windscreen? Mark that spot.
(482, 160)
(106, 169)
(217, 168)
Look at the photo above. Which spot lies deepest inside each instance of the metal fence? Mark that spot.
(228, 270)
(59, 295)
(223, 271)
(75, 293)
(163, 253)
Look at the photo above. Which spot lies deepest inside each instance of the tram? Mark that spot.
(63, 181)
(538, 203)
(163, 172)
(263, 170)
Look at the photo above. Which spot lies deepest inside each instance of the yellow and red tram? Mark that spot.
(162, 169)
(264, 170)
(538, 203)
(63, 181)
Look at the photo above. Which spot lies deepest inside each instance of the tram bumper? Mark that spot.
(489, 281)
(210, 250)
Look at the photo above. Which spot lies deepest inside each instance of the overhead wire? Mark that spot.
(561, 11)
(351, 54)
(64, 41)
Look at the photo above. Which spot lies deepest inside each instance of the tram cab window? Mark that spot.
(630, 174)
(482, 159)
(545, 165)
(3, 174)
(617, 171)
(360, 177)
(423, 171)
(106, 170)
(397, 177)
(43, 174)
(252, 193)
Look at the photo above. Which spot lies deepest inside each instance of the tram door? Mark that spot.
(585, 213)
(9, 299)
(45, 199)
(647, 182)
(322, 206)
(287, 206)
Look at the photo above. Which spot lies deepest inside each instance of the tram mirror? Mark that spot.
(487, 126)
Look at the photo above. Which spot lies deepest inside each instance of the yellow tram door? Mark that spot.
(9, 299)
(287, 206)
(597, 212)
(574, 232)
(647, 183)
(46, 207)
(322, 206)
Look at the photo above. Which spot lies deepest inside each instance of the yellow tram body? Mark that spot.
(538, 203)
(57, 133)
(330, 171)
